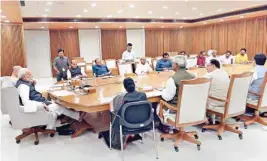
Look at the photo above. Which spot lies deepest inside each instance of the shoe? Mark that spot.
(127, 140)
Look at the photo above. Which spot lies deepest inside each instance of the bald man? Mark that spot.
(143, 67)
(14, 75)
(75, 71)
(99, 69)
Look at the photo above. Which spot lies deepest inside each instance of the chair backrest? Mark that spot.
(237, 94)
(191, 62)
(263, 93)
(136, 114)
(154, 63)
(111, 63)
(78, 59)
(191, 104)
(89, 70)
(125, 68)
(5, 83)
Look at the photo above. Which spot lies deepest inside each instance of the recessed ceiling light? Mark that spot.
(120, 26)
(7, 21)
(194, 8)
(136, 16)
(70, 27)
(184, 17)
(96, 27)
(93, 4)
(109, 16)
(219, 10)
(3, 16)
(78, 15)
(85, 10)
(242, 16)
(201, 14)
(44, 15)
(131, 5)
(161, 17)
(150, 12)
(49, 3)
(162, 26)
(42, 27)
(177, 13)
(47, 10)
(165, 7)
(181, 26)
(119, 11)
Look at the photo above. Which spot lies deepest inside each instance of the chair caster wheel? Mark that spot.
(237, 119)
(240, 136)
(220, 137)
(245, 126)
(198, 147)
(236, 128)
(176, 149)
(162, 139)
(36, 142)
(196, 136)
(52, 135)
(203, 130)
(17, 141)
(10, 123)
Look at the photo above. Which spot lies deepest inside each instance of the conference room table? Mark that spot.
(107, 88)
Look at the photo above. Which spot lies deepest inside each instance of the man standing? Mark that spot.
(226, 58)
(99, 69)
(61, 65)
(75, 71)
(164, 64)
(128, 55)
(143, 67)
(34, 101)
(242, 57)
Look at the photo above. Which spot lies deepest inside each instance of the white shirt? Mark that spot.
(143, 69)
(29, 105)
(219, 83)
(211, 57)
(169, 91)
(224, 60)
(128, 55)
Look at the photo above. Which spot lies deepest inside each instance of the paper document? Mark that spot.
(154, 93)
(62, 93)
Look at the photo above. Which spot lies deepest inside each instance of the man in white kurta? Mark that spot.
(219, 83)
(143, 67)
(33, 100)
(212, 56)
(128, 55)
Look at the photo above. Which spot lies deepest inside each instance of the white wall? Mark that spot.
(137, 38)
(38, 54)
(90, 44)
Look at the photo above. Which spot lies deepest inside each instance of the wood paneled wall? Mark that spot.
(66, 39)
(251, 34)
(12, 48)
(113, 43)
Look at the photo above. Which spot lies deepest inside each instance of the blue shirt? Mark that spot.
(161, 64)
(100, 70)
(257, 81)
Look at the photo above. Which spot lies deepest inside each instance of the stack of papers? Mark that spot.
(154, 93)
(62, 93)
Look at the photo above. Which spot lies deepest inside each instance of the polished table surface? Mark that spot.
(106, 89)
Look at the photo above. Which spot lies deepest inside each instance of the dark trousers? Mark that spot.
(62, 75)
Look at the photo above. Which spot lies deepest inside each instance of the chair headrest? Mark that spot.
(6, 82)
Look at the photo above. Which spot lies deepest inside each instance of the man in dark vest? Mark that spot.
(33, 101)
(170, 92)
(76, 71)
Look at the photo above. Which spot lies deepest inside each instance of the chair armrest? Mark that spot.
(256, 94)
(217, 99)
(168, 105)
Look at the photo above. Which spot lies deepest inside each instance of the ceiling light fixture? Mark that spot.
(161, 17)
(119, 11)
(194, 8)
(109, 16)
(177, 13)
(78, 15)
(49, 3)
(131, 5)
(165, 7)
(44, 15)
(47, 10)
(85, 10)
(150, 12)
(136, 16)
(93, 4)
(201, 14)
(70, 27)
(184, 17)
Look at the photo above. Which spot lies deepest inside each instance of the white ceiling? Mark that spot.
(134, 9)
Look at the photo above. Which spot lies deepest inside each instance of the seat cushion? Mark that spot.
(218, 109)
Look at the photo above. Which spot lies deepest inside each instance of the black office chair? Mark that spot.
(133, 118)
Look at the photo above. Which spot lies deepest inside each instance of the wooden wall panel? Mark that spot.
(66, 39)
(12, 48)
(113, 43)
(154, 43)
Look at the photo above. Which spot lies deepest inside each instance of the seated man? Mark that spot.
(226, 58)
(170, 92)
(29, 96)
(164, 64)
(143, 67)
(131, 95)
(201, 60)
(242, 57)
(14, 75)
(75, 71)
(212, 56)
(257, 79)
(219, 84)
(99, 69)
